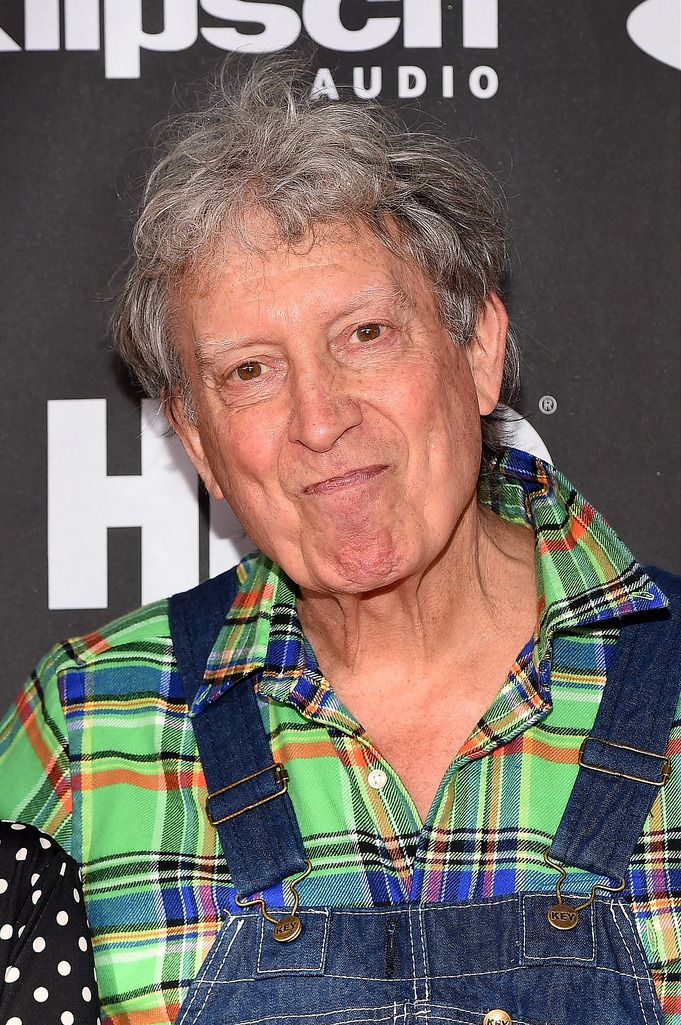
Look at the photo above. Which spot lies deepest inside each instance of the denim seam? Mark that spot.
(470, 1021)
(558, 957)
(636, 943)
(424, 953)
(520, 968)
(413, 958)
(400, 909)
(465, 905)
(467, 1021)
(239, 926)
(299, 1017)
(319, 1014)
(202, 972)
(462, 975)
(636, 939)
(631, 961)
(465, 1010)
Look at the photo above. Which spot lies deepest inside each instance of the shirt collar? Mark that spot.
(585, 575)
(246, 644)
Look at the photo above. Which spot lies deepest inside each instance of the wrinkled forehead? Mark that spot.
(346, 265)
(254, 240)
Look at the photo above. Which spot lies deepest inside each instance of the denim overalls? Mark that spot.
(526, 958)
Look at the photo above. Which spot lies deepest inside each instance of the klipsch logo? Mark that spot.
(117, 28)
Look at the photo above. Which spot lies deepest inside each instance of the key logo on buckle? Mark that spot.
(562, 917)
(290, 927)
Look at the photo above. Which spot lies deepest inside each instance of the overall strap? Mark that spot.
(622, 763)
(248, 801)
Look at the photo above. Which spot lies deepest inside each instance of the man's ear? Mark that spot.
(486, 352)
(185, 427)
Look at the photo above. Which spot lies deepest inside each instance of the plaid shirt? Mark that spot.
(99, 751)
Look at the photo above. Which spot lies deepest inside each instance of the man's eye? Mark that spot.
(369, 332)
(248, 371)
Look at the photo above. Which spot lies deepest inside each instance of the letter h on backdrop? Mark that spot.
(84, 501)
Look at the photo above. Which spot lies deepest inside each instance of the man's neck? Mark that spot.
(480, 591)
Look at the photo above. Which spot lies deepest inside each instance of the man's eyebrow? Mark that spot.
(207, 348)
(394, 295)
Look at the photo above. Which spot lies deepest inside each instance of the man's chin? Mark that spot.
(366, 565)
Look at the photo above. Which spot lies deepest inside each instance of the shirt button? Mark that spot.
(497, 1018)
(377, 779)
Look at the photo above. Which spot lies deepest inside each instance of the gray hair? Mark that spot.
(264, 143)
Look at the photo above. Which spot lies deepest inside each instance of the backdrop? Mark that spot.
(574, 107)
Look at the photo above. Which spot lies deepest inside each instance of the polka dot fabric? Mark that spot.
(47, 974)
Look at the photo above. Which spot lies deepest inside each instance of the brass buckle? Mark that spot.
(280, 776)
(665, 768)
(289, 927)
(562, 916)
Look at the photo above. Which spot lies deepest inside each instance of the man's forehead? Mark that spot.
(381, 299)
(259, 249)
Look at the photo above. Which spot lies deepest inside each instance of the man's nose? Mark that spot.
(322, 409)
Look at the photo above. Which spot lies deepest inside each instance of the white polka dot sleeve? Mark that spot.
(47, 970)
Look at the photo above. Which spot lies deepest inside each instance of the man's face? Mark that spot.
(333, 411)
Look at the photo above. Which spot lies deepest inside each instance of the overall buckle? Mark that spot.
(564, 916)
(665, 767)
(289, 927)
(280, 776)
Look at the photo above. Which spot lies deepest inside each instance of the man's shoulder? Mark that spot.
(138, 637)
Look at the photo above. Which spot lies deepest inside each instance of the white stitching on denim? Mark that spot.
(462, 975)
(556, 957)
(466, 1010)
(465, 905)
(401, 909)
(474, 1018)
(422, 928)
(637, 946)
(631, 960)
(521, 968)
(298, 1017)
(320, 1014)
(366, 978)
(325, 942)
(239, 926)
(413, 960)
(204, 968)
(458, 1021)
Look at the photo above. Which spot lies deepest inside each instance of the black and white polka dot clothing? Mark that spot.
(47, 974)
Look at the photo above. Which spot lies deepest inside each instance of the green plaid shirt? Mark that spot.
(99, 751)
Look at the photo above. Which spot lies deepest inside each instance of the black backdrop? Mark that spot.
(579, 122)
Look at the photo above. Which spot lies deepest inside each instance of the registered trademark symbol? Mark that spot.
(548, 405)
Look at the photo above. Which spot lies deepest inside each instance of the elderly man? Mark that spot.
(430, 716)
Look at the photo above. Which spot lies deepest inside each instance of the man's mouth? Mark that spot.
(344, 480)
